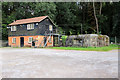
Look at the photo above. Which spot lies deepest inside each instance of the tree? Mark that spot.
(45, 8)
(67, 15)
(96, 18)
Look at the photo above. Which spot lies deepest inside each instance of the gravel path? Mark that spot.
(49, 63)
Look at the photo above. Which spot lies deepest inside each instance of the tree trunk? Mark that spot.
(100, 12)
(95, 18)
(100, 8)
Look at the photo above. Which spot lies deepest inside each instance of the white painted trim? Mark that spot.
(29, 39)
(13, 40)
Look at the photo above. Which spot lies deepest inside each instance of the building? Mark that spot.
(37, 31)
(88, 40)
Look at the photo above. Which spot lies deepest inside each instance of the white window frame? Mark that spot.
(50, 27)
(29, 39)
(13, 28)
(36, 23)
(30, 26)
(13, 40)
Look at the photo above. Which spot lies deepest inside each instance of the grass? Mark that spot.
(106, 48)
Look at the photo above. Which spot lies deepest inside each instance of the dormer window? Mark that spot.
(13, 28)
(30, 26)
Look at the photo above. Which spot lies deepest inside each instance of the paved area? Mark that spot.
(49, 63)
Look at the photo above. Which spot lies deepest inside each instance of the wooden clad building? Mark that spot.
(38, 31)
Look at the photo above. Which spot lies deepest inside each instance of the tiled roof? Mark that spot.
(29, 20)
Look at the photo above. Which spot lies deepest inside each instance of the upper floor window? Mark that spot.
(13, 28)
(36, 23)
(30, 26)
(50, 27)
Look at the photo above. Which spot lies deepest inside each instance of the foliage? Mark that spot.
(71, 17)
(43, 8)
(66, 16)
(64, 40)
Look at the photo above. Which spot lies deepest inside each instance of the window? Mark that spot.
(30, 26)
(13, 40)
(13, 28)
(30, 40)
(50, 27)
(36, 23)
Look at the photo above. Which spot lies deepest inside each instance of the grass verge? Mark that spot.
(106, 48)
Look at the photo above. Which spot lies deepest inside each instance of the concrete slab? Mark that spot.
(49, 63)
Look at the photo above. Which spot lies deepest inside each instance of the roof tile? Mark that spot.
(29, 20)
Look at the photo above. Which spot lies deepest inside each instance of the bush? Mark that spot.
(64, 40)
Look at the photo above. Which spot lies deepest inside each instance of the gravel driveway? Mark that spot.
(49, 63)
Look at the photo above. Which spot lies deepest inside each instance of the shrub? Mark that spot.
(64, 40)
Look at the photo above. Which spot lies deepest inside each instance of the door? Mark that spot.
(45, 39)
(21, 41)
(55, 40)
